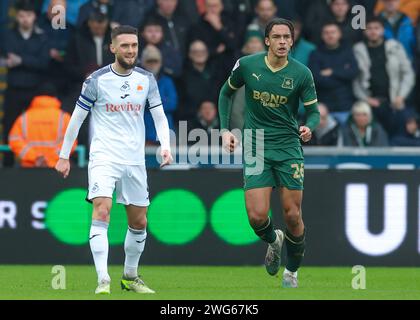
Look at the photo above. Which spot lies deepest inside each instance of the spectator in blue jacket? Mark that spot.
(151, 60)
(334, 67)
(398, 26)
(26, 57)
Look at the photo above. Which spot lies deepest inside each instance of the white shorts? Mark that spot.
(129, 183)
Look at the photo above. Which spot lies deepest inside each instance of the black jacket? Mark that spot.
(81, 55)
(175, 30)
(336, 91)
(196, 87)
(35, 58)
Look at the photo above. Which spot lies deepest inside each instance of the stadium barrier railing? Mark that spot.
(81, 154)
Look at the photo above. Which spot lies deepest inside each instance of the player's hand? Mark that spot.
(63, 167)
(166, 158)
(305, 134)
(229, 141)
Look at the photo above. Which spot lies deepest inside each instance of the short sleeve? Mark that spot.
(89, 94)
(236, 79)
(308, 91)
(154, 96)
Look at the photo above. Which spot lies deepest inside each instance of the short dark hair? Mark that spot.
(97, 16)
(277, 22)
(124, 29)
(330, 23)
(151, 22)
(25, 5)
(375, 19)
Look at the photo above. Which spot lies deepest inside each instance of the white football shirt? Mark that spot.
(117, 105)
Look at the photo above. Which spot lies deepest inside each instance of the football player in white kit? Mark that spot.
(116, 96)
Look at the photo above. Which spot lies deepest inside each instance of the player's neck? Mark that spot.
(276, 62)
(120, 70)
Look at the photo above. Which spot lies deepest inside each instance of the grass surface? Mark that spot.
(212, 283)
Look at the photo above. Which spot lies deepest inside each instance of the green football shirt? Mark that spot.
(272, 97)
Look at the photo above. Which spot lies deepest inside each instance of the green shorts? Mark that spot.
(275, 168)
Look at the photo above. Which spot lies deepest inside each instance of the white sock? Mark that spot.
(98, 240)
(293, 274)
(133, 246)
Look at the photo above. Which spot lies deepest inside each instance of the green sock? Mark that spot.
(295, 250)
(266, 232)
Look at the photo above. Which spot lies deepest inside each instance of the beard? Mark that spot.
(125, 65)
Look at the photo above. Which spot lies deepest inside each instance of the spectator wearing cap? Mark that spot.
(106, 7)
(386, 77)
(411, 135)
(26, 57)
(151, 60)
(152, 34)
(361, 130)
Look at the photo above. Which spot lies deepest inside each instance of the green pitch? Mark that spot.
(207, 283)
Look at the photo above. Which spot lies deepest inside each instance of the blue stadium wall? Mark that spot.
(197, 217)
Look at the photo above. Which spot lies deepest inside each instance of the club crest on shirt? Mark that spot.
(125, 87)
(287, 83)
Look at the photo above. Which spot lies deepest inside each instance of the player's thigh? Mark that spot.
(136, 216)
(259, 174)
(258, 204)
(289, 169)
(132, 189)
(102, 179)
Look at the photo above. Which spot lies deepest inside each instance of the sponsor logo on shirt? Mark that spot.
(269, 100)
(125, 107)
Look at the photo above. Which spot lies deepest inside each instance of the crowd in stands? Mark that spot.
(367, 73)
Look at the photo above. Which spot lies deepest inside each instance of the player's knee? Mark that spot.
(101, 213)
(139, 223)
(292, 216)
(257, 221)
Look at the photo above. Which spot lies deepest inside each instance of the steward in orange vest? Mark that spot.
(37, 135)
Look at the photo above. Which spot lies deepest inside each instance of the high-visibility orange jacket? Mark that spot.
(39, 131)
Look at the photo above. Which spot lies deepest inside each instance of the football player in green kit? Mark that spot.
(274, 85)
